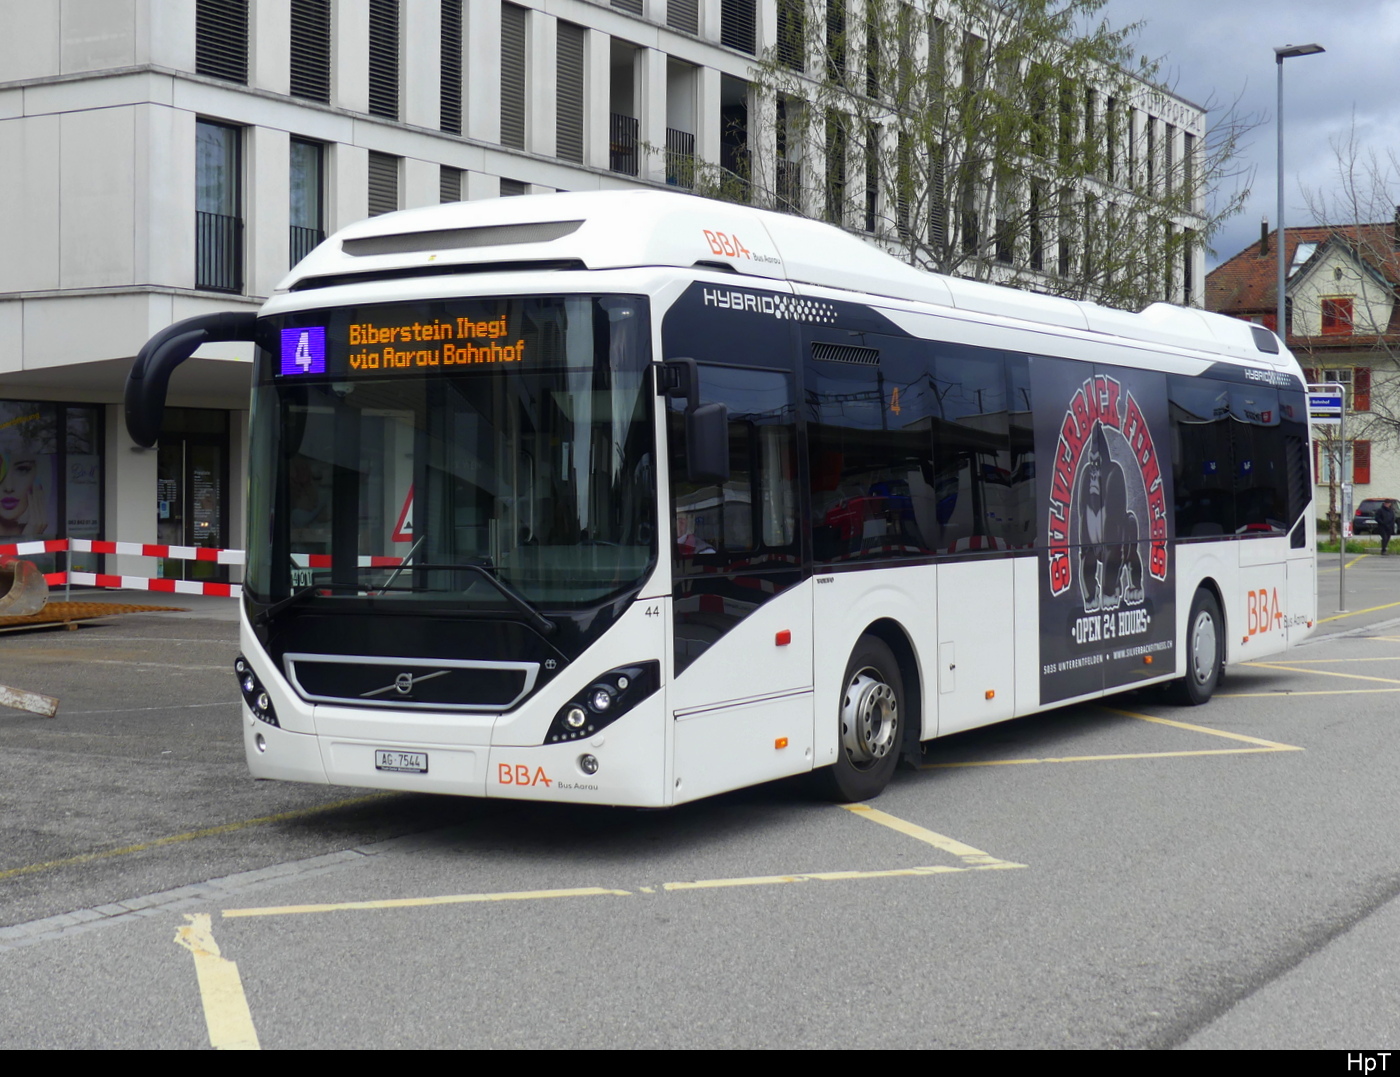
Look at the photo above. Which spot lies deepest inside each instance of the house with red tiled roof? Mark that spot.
(1341, 290)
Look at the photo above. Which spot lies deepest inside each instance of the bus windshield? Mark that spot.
(468, 454)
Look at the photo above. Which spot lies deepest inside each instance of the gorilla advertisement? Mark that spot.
(1107, 596)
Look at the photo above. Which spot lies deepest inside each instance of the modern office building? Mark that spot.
(166, 158)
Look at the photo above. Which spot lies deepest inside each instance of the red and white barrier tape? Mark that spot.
(134, 549)
(142, 549)
(141, 583)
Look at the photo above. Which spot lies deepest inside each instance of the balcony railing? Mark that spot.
(680, 158)
(622, 144)
(302, 241)
(218, 252)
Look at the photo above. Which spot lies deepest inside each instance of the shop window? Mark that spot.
(50, 476)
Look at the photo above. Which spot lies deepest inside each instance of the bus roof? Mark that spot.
(632, 229)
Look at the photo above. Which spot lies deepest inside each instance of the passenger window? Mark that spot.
(911, 452)
(755, 512)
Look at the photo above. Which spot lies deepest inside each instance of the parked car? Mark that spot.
(1364, 522)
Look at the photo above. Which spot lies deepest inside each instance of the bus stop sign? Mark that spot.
(1325, 408)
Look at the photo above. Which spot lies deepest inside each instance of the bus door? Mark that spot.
(741, 683)
(982, 513)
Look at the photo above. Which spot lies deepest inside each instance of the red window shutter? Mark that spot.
(1310, 375)
(1361, 462)
(1317, 463)
(1361, 388)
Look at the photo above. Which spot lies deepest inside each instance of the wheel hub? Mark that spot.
(1203, 647)
(869, 718)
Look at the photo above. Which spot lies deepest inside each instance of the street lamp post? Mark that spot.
(1281, 53)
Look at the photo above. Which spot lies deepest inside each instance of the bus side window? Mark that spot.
(1202, 458)
(755, 511)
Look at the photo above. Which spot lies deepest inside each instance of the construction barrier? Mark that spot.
(135, 549)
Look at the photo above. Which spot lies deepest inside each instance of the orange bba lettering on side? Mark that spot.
(520, 774)
(723, 243)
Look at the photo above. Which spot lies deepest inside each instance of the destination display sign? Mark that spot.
(384, 345)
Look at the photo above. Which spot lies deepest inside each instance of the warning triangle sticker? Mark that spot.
(403, 530)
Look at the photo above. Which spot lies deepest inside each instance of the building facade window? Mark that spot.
(683, 15)
(792, 35)
(737, 23)
(311, 50)
(450, 107)
(1337, 315)
(218, 207)
(569, 110)
(1335, 462)
(384, 58)
(449, 184)
(383, 183)
(221, 39)
(306, 186)
(513, 76)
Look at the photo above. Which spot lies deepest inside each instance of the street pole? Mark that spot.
(1282, 53)
(1346, 509)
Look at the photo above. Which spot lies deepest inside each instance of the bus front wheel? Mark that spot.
(1205, 652)
(870, 716)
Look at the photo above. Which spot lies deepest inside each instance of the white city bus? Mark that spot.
(634, 498)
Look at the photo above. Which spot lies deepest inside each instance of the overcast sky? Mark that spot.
(1213, 51)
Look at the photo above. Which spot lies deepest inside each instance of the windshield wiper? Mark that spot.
(407, 558)
(510, 594)
(295, 598)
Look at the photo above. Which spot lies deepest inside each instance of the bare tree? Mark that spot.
(1010, 142)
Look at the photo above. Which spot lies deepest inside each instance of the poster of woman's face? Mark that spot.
(28, 447)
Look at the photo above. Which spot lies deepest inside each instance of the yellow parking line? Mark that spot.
(1333, 568)
(972, 860)
(1330, 661)
(1100, 758)
(415, 903)
(840, 876)
(226, 1012)
(1325, 673)
(1356, 613)
(1264, 746)
(210, 831)
(966, 853)
(1334, 692)
(1206, 729)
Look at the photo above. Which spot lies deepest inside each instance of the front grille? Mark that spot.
(410, 683)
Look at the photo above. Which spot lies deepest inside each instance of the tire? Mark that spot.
(1205, 652)
(870, 722)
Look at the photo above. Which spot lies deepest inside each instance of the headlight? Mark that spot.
(256, 699)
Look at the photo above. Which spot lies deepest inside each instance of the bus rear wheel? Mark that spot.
(1205, 652)
(870, 714)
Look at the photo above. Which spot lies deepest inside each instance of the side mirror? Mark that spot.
(149, 376)
(707, 443)
(706, 425)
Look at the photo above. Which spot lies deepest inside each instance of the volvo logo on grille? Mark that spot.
(403, 683)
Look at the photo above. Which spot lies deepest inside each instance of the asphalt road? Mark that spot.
(1126, 875)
